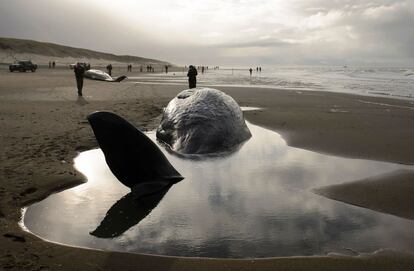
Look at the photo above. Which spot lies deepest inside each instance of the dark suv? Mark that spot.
(23, 66)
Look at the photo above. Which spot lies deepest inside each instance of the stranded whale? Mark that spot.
(132, 157)
(197, 121)
(203, 121)
(102, 76)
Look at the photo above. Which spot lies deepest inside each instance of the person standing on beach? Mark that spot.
(192, 76)
(53, 64)
(250, 70)
(109, 69)
(79, 70)
(166, 68)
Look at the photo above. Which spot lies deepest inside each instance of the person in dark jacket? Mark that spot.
(79, 70)
(109, 69)
(192, 76)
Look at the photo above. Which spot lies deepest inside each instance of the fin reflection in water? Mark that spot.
(131, 209)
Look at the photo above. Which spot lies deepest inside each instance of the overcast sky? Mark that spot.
(224, 32)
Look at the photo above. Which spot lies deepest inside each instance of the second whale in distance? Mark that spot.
(102, 76)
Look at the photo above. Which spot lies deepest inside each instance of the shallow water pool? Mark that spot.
(256, 202)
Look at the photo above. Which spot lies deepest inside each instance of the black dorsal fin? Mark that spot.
(132, 157)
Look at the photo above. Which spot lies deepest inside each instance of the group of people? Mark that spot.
(129, 68)
(258, 69)
(80, 68)
(52, 64)
(150, 68)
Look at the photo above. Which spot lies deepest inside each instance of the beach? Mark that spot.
(43, 127)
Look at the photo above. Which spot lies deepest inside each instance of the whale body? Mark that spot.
(202, 121)
(102, 76)
(197, 121)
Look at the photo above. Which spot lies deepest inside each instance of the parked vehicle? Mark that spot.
(23, 66)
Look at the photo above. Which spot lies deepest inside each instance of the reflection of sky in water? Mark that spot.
(255, 203)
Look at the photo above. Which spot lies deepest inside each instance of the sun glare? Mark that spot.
(202, 21)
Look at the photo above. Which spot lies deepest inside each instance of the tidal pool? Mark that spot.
(256, 202)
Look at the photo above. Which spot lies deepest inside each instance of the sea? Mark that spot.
(391, 82)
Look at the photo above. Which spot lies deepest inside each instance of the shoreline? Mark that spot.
(34, 153)
(397, 98)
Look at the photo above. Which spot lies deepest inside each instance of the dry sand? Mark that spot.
(43, 126)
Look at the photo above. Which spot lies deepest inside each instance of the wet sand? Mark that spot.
(389, 193)
(43, 127)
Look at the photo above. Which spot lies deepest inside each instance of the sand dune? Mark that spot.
(43, 52)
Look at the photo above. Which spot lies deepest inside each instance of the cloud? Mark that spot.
(212, 35)
(268, 42)
(183, 31)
